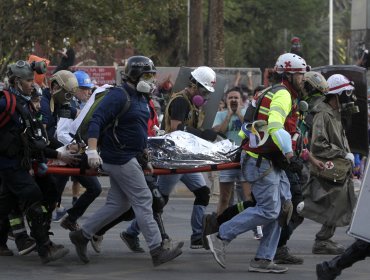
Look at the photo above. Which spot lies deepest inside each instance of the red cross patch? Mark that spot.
(288, 64)
(213, 83)
(329, 165)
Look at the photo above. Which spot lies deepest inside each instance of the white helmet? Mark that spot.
(205, 76)
(338, 83)
(291, 63)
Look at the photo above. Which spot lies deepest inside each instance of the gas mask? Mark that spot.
(146, 84)
(347, 103)
(200, 99)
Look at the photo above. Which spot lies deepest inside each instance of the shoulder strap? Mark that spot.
(116, 120)
(9, 109)
(272, 89)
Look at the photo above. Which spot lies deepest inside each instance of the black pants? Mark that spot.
(297, 197)
(19, 188)
(93, 190)
(358, 251)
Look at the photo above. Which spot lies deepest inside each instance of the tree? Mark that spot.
(195, 55)
(216, 48)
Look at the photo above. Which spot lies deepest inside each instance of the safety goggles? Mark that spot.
(147, 76)
(21, 63)
(203, 91)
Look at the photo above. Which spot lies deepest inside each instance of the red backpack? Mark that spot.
(9, 109)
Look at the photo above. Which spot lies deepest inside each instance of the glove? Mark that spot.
(93, 158)
(69, 158)
(351, 157)
(295, 165)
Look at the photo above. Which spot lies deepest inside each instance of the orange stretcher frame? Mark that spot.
(71, 171)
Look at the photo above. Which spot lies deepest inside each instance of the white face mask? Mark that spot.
(145, 87)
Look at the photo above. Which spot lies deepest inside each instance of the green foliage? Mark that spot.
(256, 31)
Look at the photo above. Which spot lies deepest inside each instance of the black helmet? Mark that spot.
(136, 66)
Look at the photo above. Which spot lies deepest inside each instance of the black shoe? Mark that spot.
(53, 252)
(80, 242)
(161, 255)
(132, 242)
(209, 226)
(283, 256)
(196, 244)
(323, 272)
(5, 251)
(67, 223)
(25, 245)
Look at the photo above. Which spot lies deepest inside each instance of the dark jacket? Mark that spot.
(131, 130)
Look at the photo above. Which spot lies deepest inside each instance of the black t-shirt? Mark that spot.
(179, 109)
(69, 60)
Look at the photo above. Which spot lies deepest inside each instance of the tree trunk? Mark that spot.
(195, 55)
(216, 46)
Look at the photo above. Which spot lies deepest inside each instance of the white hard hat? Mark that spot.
(291, 63)
(338, 83)
(205, 76)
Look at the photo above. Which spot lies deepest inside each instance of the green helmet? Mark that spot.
(24, 70)
(317, 81)
(21, 69)
(68, 86)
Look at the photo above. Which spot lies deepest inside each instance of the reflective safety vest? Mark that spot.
(259, 140)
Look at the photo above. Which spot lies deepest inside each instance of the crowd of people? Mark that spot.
(289, 133)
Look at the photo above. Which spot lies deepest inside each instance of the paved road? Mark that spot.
(117, 262)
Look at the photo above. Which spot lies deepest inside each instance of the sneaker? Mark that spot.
(5, 251)
(324, 272)
(53, 252)
(132, 242)
(80, 242)
(285, 213)
(283, 256)
(67, 223)
(196, 244)
(25, 245)
(96, 242)
(217, 247)
(167, 243)
(59, 214)
(327, 247)
(266, 266)
(161, 255)
(209, 226)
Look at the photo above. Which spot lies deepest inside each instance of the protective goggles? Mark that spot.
(21, 63)
(148, 76)
(203, 91)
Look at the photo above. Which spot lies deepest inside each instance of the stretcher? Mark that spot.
(72, 171)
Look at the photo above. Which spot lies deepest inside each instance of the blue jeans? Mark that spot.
(268, 187)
